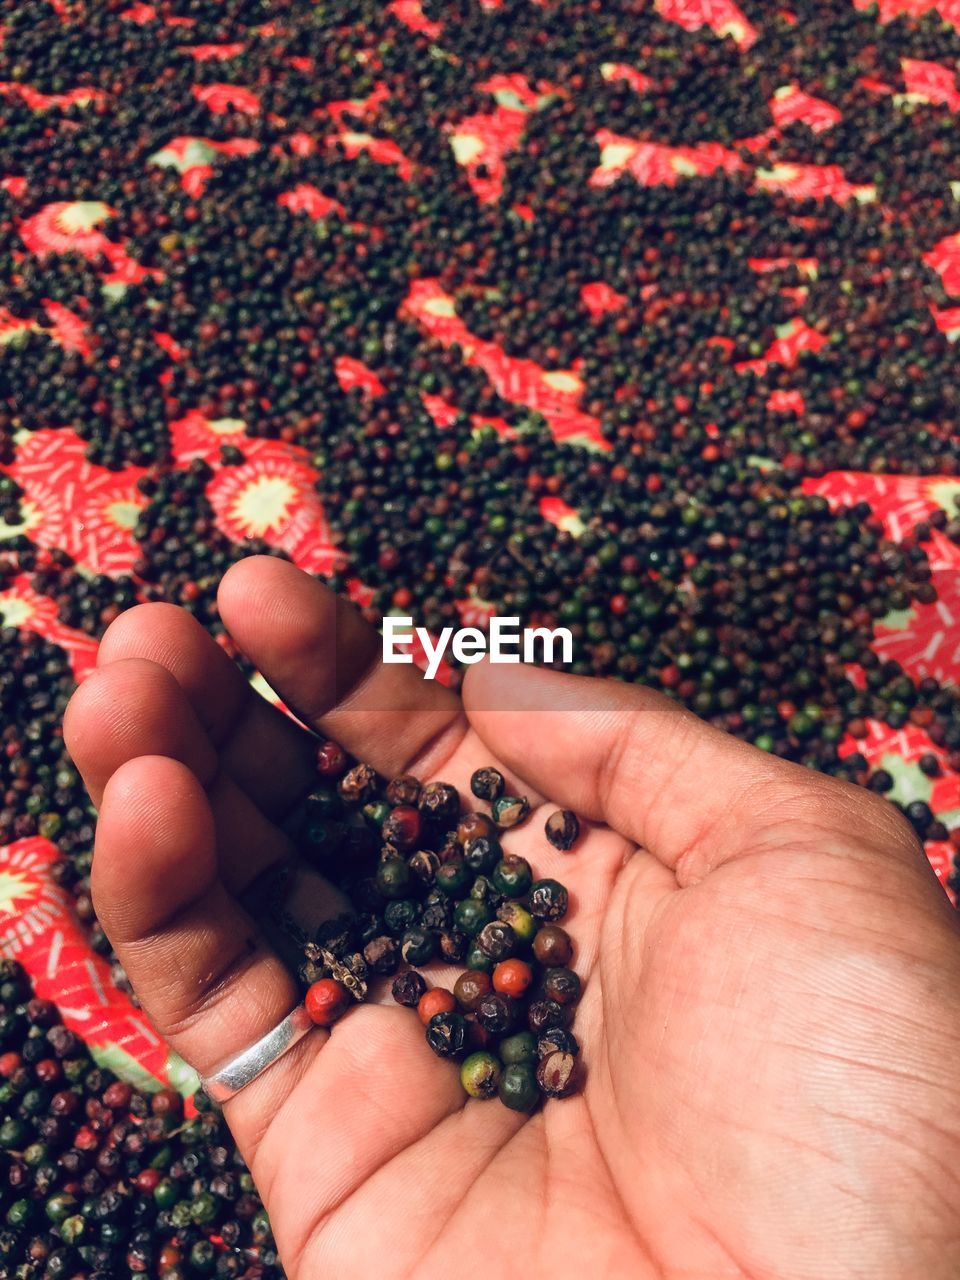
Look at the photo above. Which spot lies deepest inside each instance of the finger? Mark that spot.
(242, 726)
(135, 708)
(653, 771)
(201, 969)
(324, 661)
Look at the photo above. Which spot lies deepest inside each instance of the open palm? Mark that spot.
(770, 1019)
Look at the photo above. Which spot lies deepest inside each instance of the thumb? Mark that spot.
(638, 761)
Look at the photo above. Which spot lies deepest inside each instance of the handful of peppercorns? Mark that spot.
(429, 882)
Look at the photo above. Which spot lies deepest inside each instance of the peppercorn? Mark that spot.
(393, 878)
(326, 1000)
(497, 940)
(331, 760)
(470, 915)
(512, 977)
(481, 853)
(408, 987)
(403, 791)
(544, 1014)
(562, 829)
(561, 985)
(510, 811)
(498, 1013)
(447, 1034)
(439, 802)
(512, 876)
(548, 900)
(402, 827)
(487, 784)
(478, 961)
(480, 1075)
(520, 921)
(424, 865)
(435, 1001)
(470, 988)
(557, 1040)
(382, 954)
(518, 1088)
(475, 825)
(552, 945)
(556, 1074)
(454, 877)
(359, 785)
(401, 915)
(418, 945)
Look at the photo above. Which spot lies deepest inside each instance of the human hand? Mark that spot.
(770, 1018)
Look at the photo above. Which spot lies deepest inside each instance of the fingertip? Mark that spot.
(155, 840)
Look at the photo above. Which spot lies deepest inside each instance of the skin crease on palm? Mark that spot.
(770, 1022)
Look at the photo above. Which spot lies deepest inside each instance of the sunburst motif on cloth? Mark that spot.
(76, 505)
(273, 496)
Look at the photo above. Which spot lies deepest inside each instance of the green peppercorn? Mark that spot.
(520, 921)
(60, 1206)
(480, 1075)
(203, 1209)
(454, 877)
(518, 1087)
(478, 961)
(520, 1047)
(510, 811)
(512, 876)
(166, 1193)
(418, 946)
(470, 915)
(393, 878)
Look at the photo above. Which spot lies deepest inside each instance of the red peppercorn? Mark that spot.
(146, 1180)
(436, 1000)
(331, 760)
(47, 1070)
(117, 1095)
(512, 977)
(9, 1063)
(326, 1000)
(402, 827)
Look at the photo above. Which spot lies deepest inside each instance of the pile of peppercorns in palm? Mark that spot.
(382, 247)
(99, 1179)
(431, 883)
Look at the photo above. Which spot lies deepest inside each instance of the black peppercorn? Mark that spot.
(447, 1034)
(548, 900)
(382, 955)
(562, 985)
(481, 853)
(404, 790)
(440, 803)
(497, 940)
(358, 785)
(562, 829)
(544, 1015)
(499, 1014)
(487, 784)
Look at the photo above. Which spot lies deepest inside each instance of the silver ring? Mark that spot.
(242, 1069)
